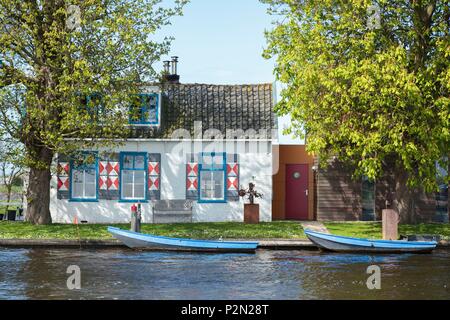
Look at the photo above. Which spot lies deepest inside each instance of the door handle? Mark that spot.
(306, 192)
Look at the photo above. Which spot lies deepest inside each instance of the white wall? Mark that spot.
(255, 166)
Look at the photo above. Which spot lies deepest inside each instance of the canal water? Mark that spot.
(126, 274)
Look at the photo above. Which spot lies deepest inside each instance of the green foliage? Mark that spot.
(50, 64)
(17, 182)
(12, 164)
(363, 94)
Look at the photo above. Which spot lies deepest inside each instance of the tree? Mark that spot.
(59, 54)
(368, 82)
(11, 165)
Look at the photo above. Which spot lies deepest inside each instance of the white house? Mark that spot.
(196, 142)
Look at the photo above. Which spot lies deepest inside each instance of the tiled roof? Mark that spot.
(221, 107)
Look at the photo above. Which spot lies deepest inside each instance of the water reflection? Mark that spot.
(126, 274)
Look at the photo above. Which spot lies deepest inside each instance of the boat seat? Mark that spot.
(172, 211)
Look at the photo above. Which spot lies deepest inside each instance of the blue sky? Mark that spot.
(221, 42)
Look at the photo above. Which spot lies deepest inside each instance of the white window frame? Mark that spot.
(83, 168)
(133, 170)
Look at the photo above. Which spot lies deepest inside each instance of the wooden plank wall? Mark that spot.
(425, 203)
(338, 196)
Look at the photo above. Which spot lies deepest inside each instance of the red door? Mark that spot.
(296, 191)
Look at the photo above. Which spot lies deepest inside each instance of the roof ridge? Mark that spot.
(223, 85)
(207, 84)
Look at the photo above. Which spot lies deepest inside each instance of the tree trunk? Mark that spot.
(38, 192)
(8, 197)
(402, 198)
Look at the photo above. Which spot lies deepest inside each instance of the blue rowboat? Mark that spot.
(138, 240)
(348, 244)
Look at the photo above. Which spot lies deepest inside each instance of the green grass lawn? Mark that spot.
(212, 230)
(236, 230)
(373, 229)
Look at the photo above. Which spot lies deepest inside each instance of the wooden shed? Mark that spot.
(339, 197)
(305, 190)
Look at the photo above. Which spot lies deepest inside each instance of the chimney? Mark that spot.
(171, 76)
(166, 67)
(174, 64)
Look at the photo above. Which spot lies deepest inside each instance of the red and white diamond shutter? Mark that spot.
(108, 180)
(192, 177)
(232, 177)
(63, 177)
(154, 176)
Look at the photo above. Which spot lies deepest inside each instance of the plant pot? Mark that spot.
(251, 213)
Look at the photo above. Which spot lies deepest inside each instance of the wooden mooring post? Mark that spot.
(390, 219)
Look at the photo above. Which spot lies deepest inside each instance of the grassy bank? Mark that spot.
(236, 230)
(373, 229)
(231, 230)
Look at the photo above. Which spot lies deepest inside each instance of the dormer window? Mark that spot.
(93, 105)
(145, 109)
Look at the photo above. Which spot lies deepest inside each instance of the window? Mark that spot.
(368, 199)
(442, 196)
(84, 177)
(93, 105)
(133, 176)
(144, 109)
(212, 175)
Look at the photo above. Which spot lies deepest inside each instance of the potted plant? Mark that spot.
(251, 210)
